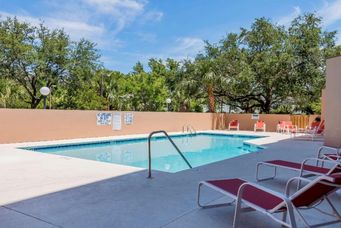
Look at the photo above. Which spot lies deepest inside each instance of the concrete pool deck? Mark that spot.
(44, 190)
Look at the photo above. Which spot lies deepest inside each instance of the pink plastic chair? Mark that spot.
(260, 125)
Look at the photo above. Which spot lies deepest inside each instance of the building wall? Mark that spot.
(332, 104)
(323, 104)
(23, 125)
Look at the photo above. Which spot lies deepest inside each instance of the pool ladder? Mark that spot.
(150, 150)
(189, 128)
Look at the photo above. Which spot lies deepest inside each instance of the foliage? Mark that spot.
(270, 68)
(32, 57)
(267, 68)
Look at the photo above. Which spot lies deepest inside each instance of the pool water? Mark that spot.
(199, 149)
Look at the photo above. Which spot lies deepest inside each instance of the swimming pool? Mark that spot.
(199, 149)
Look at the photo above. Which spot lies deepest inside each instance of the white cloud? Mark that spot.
(147, 37)
(152, 16)
(76, 29)
(180, 49)
(97, 20)
(330, 12)
(101, 21)
(121, 12)
(286, 20)
(110, 6)
(188, 46)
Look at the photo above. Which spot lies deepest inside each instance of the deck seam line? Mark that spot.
(31, 216)
(188, 212)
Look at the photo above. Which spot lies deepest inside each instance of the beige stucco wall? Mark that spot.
(332, 104)
(22, 125)
(35, 125)
(323, 104)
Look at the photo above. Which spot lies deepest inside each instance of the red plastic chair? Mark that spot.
(234, 124)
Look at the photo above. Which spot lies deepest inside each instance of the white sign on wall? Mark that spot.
(117, 121)
(128, 118)
(103, 118)
(255, 116)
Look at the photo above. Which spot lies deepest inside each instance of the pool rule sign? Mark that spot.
(117, 121)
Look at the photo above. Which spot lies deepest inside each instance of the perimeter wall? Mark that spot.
(23, 125)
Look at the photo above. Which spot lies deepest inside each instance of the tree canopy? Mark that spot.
(267, 68)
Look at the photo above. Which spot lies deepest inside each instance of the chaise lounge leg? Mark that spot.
(336, 213)
(267, 178)
(237, 213)
(212, 205)
(302, 218)
(198, 196)
(290, 213)
(284, 216)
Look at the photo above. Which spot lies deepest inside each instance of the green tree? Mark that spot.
(270, 61)
(236, 79)
(207, 75)
(147, 91)
(82, 84)
(311, 46)
(188, 95)
(32, 56)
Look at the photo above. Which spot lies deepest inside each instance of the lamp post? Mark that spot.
(168, 101)
(45, 91)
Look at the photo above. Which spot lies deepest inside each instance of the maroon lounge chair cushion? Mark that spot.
(295, 165)
(251, 194)
(316, 192)
(332, 156)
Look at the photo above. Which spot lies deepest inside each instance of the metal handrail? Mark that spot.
(189, 128)
(150, 152)
(192, 129)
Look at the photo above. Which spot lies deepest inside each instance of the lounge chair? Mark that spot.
(316, 130)
(280, 127)
(290, 127)
(260, 125)
(270, 203)
(234, 124)
(332, 153)
(314, 125)
(303, 168)
(286, 127)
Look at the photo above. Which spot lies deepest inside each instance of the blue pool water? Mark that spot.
(199, 149)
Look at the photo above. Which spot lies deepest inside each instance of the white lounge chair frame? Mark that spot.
(287, 202)
(301, 171)
(321, 153)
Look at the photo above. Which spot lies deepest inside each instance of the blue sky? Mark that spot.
(128, 31)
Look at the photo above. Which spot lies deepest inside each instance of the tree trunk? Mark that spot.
(211, 98)
(35, 102)
(267, 107)
(184, 107)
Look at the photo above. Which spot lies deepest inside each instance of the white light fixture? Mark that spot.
(44, 91)
(168, 101)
